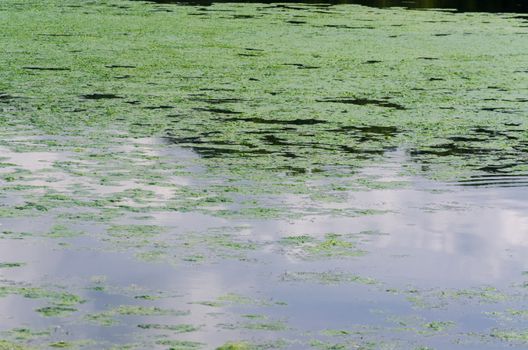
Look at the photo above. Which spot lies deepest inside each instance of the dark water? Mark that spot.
(459, 5)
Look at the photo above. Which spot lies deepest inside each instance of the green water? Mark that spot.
(262, 176)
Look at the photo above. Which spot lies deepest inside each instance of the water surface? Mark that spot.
(286, 176)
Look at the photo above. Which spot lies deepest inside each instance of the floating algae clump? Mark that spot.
(310, 248)
(235, 346)
(511, 335)
(109, 317)
(181, 344)
(5, 345)
(323, 103)
(62, 303)
(10, 265)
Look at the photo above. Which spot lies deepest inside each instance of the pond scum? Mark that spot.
(164, 171)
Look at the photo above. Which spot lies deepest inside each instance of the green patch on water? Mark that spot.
(318, 344)
(26, 334)
(513, 336)
(177, 328)
(210, 303)
(62, 231)
(418, 325)
(100, 216)
(443, 298)
(438, 326)
(332, 246)
(264, 118)
(61, 345)
(56, 311)
(328, 277)
(61, 303)
(76, 344)
(235, 346)
(225, 243)
(21, 211)
(234, 299)
(112, 316)
(258, 324)
(336, 332)
(6, 345)
(245, 345)
(15, 235)
(181, 344)
(11, 265)
(238, 299)
(135, 230)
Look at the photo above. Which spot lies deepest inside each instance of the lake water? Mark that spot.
(265, 175)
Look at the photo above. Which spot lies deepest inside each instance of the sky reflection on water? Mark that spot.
(434, 235)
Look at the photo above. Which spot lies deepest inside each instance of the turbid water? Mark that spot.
(263, 176)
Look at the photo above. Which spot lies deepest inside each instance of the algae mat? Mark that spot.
(260, 176)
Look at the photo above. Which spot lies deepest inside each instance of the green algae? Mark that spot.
(267, 325)
(335, 332)
(328, 277)
(297, 240)
(10, 265)
(135, 230)
(318, 344)
(245, 345)
(254, 316)
(438, 326)
(253, 212)
(132, 310)
(443, 298)
(21, 211)
(5, 345)
(76, 344)
(181, 344)
(234, 299)
(56, 311)
(511, 335)
(110, 317)
(521, 313)
(224, 243)
(418, 325)
(197, 247)
(99, 283)
(25, 334)
(62, 231)
(238, 299)
(280, 129)
(102, 319)
(332, 246)
(15, 235)
(61, 345)
(346, 127)
(178, 328)
(62, 303)
(235, 346)
(210, 303)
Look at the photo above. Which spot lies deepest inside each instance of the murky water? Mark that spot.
(271, 175)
